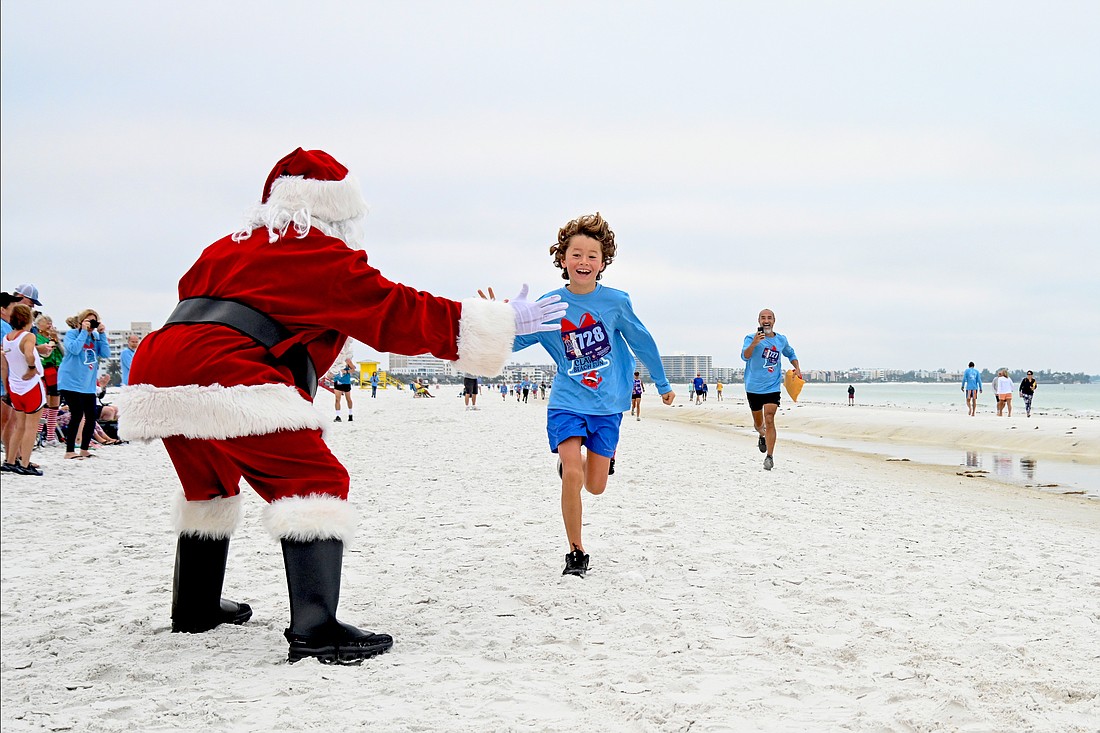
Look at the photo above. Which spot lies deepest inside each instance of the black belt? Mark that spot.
(260, 327)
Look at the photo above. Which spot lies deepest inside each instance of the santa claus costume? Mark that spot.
(228, 382)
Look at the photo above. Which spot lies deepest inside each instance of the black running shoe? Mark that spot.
(611, 468)
(351, 418)
(27, 470)
(762, 444)
(576, 563)
(337, 419)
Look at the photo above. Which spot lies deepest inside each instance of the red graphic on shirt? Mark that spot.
(591, 379)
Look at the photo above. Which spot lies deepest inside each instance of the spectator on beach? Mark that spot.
(851, 395)
(21, 370)
(126, 356)
(1028, 385)
(592, 387)
(85, 344)
(341, 389)
(47, 334)
(762, 353)
(252, 416)
(972, 386)
(636, 396)
(7, 300)
(1002, 388)
(697, 385)
(706, 391)
(718, 389)
(503, 392)
(374, 383)
(542, 390)
(469, 391)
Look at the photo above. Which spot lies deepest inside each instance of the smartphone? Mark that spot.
(760, 329)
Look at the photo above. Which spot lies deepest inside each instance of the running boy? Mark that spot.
(593, 385)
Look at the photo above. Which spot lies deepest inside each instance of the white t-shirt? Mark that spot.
(1002, 385)
(17, 364)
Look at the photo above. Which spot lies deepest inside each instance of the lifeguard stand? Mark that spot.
(368, 368)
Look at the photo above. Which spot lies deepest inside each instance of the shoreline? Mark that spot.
(1067, 449)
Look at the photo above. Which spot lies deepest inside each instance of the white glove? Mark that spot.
(533, 317)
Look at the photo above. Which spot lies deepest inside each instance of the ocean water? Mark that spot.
(1048, 475)
(1070, 400)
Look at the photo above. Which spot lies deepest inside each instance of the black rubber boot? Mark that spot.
(197, 603)
(313, 578)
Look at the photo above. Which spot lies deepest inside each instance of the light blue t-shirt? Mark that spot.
(764, 370)
(5, 329)
(125, 357)
(593, 352)
(972, 379)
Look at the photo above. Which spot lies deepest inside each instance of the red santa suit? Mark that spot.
(226, 407)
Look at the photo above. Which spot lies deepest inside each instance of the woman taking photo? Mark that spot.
(85, 344)
(22, 372)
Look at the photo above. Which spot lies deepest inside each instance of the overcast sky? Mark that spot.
(907, 185)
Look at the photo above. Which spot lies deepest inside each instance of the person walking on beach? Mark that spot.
(374, 384)
(469, 391)
(762, 352)
(636, 396)
(1002, 388)
(972, 386)
(341, 390)
(697, 385)
(718, 389)
(851, 395)
(593, 386)
(1028, 385)
(245, 306)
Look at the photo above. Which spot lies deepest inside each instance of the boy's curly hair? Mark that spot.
(589, 225)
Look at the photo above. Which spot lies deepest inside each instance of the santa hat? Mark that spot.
(315, 181)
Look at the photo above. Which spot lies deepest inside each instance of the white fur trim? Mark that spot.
(486, 331)
(313, 517)
(327, 200)
(214, 412)
(215, 519)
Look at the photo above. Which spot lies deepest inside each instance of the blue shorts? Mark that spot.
(600, 433)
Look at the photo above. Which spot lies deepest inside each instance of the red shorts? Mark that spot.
(31, 402)
(49, 376)
(276, 465)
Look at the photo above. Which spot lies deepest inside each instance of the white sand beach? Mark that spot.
(839, 591)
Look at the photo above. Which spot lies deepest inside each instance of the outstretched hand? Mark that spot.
(537, 316)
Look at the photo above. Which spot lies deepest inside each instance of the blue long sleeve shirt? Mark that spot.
(80, 367)
(764, 369)
(124, 360)
(593, 352)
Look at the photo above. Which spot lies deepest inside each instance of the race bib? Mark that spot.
(586, 346)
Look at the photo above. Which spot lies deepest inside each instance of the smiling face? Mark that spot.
(767, 320)
(582, 261)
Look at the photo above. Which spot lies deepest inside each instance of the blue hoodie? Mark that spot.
(80, 367)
